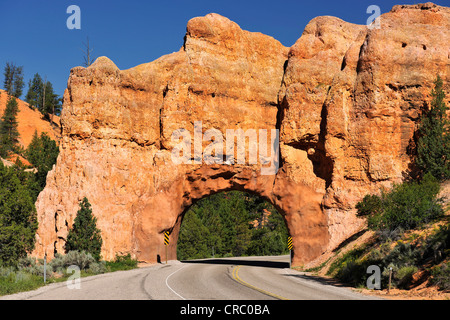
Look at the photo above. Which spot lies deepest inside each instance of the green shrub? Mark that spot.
(12, 281)
(353, 272)
(371, 204)
(38, 270)
(28, 273)
(407, 206)
(122, 262)
(82, 260)
(403, 254)
(404, 275)
(97, 267)
(405, 259)
(350, 268)
(441, 276)
(437, 246)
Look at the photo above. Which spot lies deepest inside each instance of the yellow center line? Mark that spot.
(236, 277)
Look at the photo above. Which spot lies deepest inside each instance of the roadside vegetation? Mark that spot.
(19, 272)
(414, 257)
(28, 273)
(20, 185)
(410, 223)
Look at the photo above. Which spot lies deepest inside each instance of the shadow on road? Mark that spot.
(317, 279)
(236, 262)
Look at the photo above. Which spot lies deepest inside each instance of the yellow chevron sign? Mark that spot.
(289, 243)
(166, 238)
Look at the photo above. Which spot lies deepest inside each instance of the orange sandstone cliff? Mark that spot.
(345, 98)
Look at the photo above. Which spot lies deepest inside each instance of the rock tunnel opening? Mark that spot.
(297, 205)
(231, 224)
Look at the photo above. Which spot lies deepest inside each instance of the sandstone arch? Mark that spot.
(299, 206)
(336, 96)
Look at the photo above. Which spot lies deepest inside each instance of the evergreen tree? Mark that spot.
(84, 235)
(223, 224)
(192, 242)
(18, 219)
(35, 92)
(13, 82)
(52, 103)
(241, 222)
(9, 134)
(18, 82)
(41, 95)
(8, 82)
(42, 152)
(434, 142)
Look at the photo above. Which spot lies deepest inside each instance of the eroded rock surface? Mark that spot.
(346, 99)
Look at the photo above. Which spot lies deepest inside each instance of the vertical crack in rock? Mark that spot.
(161, 122)
(323, 164)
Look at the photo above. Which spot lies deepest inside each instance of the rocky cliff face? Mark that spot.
(351, 99)
(346, 99)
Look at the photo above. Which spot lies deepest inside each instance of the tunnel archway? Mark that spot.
(231, 224)
(299, 205)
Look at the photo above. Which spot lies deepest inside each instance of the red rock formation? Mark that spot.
(337, 96)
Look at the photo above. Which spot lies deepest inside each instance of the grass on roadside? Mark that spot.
(29, 273)
(412, 253)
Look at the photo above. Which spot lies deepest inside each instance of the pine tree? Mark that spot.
(42, 152)
(434, 142)
(84, 235)
(18, 82)
(192, 242)
(35, 91)
(52, 102)
(13, 82)
(222, 223)
(9, 78)
(9, 134)
(41, 95)
(18, 219)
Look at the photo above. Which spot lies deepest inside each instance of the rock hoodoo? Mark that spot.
(345, 98)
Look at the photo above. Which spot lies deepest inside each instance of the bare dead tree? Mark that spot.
(88, 57)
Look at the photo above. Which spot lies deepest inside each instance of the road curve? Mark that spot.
(246, 278)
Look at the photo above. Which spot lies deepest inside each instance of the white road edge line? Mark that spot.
(343, 291)
(167, 284)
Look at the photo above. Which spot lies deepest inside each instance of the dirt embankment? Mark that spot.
(421, 288)
(30, 120)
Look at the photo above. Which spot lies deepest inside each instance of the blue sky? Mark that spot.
(131, 32)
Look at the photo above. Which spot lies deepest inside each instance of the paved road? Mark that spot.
(249, 278)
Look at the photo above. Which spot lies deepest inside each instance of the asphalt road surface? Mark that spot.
(246, 278)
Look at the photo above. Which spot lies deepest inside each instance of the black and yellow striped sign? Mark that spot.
(289, 243)
(166, 238)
